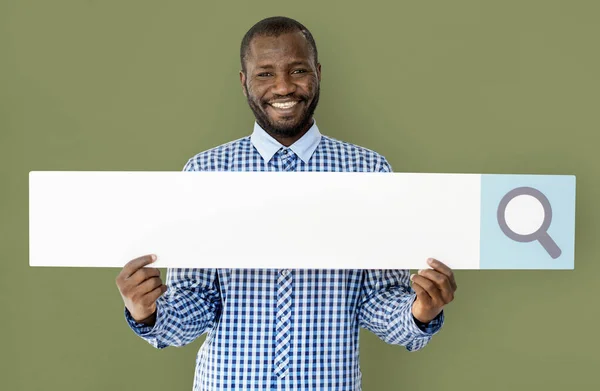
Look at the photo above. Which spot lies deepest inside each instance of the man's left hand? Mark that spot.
(435, 288)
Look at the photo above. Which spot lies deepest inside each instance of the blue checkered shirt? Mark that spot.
(272, 329)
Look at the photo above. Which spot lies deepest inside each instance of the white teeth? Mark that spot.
(285, 105)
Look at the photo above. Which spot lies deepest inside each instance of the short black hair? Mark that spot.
(274, 27)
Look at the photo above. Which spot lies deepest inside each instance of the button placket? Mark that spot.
(288, 160)
(283, 324)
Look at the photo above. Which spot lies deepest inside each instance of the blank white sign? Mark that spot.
(255, 219)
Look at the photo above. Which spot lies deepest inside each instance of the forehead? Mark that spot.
(268, 49)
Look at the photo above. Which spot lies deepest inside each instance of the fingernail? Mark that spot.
(412, 276)
(421, 271)
(430, 261)
(153, 257)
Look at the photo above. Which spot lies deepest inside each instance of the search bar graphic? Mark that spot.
(318, 220)
(541, 233)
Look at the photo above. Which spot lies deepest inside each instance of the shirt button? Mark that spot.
(285, 151)
(285, 272)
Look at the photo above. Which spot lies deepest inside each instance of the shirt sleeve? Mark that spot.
(189, 308)
(383, 165)
(385, 309)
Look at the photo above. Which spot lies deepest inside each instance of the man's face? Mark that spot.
(282, 83)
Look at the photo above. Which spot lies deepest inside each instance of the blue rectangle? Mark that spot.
(551, 246)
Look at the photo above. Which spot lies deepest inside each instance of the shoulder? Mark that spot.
(218, 157)
(354, 154)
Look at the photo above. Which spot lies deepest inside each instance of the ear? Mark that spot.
(243, 82)
(319, 71)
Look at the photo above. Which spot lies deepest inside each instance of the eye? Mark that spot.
(300, 71)
(264, 74)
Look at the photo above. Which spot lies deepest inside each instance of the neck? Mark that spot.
(286, 141)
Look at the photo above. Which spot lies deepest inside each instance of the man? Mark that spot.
(283, 329)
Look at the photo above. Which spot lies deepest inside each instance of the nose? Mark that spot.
(283, 85)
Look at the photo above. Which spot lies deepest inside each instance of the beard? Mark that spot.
(289, 128)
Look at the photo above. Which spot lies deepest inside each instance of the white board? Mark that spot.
(320, 220)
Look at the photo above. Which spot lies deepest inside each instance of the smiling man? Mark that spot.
(280, 77)
(271, 328)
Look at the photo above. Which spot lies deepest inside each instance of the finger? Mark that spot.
(136, 264)
(442, 282)
(422, 293)
(149, 285)
(143, 274)
(439, 266)
(431, 288)
(153, 295)
(444, 269)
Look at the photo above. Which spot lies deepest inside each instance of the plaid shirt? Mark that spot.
(246, 312)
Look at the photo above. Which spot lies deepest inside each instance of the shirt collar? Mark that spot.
(267, 146)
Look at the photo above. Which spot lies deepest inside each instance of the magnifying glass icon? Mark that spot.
(540, 234)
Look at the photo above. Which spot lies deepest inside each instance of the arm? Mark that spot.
(385, 305)
(387, 301)
(189, 308)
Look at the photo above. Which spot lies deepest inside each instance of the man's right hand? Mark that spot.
(140, 287)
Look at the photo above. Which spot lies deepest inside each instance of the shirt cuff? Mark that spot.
(425, 329)
(433, 326)
(141, 329)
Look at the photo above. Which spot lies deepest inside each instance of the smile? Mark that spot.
(284, 105)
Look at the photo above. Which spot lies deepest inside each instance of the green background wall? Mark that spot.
(435, 86)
